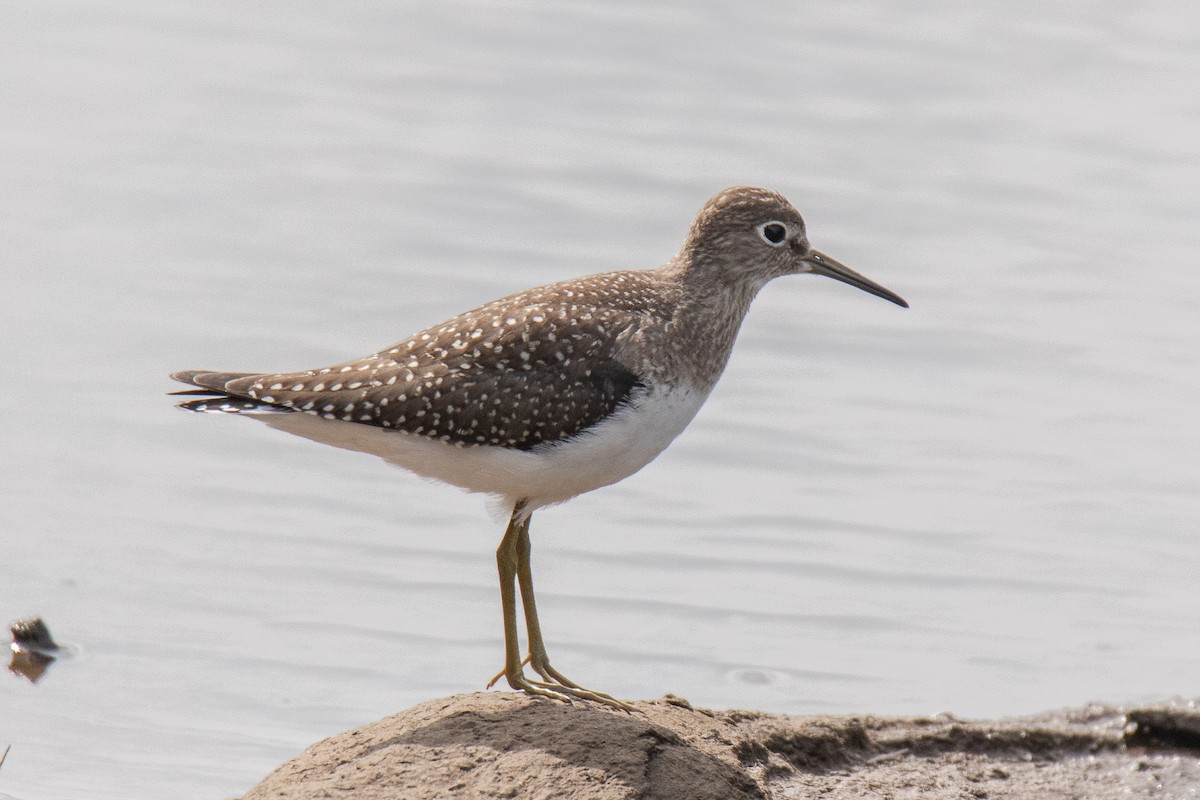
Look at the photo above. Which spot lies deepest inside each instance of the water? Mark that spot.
(986, 504)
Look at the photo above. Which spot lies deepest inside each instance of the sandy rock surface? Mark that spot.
(507, 745)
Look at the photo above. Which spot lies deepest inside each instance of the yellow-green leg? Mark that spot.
(507, 564)
(537, 647)
(513, 561)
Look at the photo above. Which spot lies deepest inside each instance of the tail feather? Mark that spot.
(199, 392)
(214, 397)
(225, 404)
(207, 379)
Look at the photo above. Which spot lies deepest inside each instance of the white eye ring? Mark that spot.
(774, 233)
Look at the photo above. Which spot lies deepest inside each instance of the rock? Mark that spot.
(31, 633)
(1163, 727)
(507, 745)
(33, 649)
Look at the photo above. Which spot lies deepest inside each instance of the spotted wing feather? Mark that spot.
(536, 367)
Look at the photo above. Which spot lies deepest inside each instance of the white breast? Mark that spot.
(550, 473)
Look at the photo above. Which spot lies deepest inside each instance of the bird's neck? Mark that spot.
(707, 318)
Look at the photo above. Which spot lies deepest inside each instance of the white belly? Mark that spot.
(550, 473)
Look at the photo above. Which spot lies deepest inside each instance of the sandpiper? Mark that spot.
(551, 392)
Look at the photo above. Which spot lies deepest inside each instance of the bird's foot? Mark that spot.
(553, 684)
(503, 672)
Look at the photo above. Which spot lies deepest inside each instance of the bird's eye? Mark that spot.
(773, 233)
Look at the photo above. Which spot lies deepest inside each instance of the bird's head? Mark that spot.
(752, 235)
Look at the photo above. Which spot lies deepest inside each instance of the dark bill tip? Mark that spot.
(822, 264)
